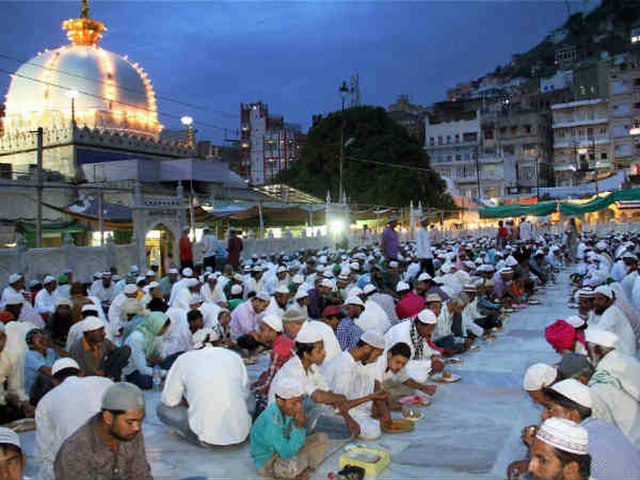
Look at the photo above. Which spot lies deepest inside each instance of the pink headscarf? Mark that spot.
(562, 336)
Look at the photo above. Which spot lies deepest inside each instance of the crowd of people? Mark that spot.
(345, 333)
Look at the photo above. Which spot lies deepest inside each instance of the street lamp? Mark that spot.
(73, 94)
(187, 122)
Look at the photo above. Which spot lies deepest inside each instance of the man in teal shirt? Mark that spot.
(279, 444)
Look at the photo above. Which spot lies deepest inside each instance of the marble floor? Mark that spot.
(471, 430)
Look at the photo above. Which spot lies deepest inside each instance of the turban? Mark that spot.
(560, 335)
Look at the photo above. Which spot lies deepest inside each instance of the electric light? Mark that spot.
(186, 121)
(336, 226)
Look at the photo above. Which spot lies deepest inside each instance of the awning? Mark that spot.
(600, 202)
(517, 210)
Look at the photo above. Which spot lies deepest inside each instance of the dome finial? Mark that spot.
(84, 30)
(84, 10)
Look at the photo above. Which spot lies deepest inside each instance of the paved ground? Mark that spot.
(470, 431)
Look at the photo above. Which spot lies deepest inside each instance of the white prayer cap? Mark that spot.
(575, 321)
(9, 437)
(187, 272)
(354, 301)
(301, 293)
(511, 261)
(106, 274)
(204, 335)
(433, 297)
(14, 277)
(14, 299)
(575, 391)
(539, 252)
(123, 396)
(470, 287)
(354, 266)
(63, 301)
(191, 282)
(604, 338)
(373, 338)
(354, 292)
(446, 268)
(281, 269)
(297, 279)
(134, 269)
(369, 288)
(89, 307)
(287, 388)
(173, 271)
(506, 271)
(116, 277)
(308, 334)
(393, 264)
(424, 276)
(98, 275)
(48, 279)
(140, 279)
(606, 291)
(236, 290)
(427, 317)
(63, 363)
(564, 435)
(150, 273)
(326, 283)
(402, 286)
(282, 289)
(196, 299)
(274, 321)
(629, 255)
(539, 376)
(586, 293)
(601, 245)
(264, 296)
(90, 324)
(153, 285)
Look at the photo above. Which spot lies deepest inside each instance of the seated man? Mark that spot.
(65, 408)
(110, 444)
(97, 355)
(13, 402)
(347, 374)
(393, 377)
(280, 447)
(205, 393)
(37, 365)
(12, 458)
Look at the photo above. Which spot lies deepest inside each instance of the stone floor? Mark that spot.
(470, 431)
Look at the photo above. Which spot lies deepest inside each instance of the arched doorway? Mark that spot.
(160, 245)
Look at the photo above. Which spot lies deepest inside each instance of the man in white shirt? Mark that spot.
(103, 288)
(423, 247)
(115, 309)
(205, 393)
(67, 407)
(611, 318)
(354, 374)
(16, 286)
(209, 248)
(278, 303)
(45, 302)
(212, 291)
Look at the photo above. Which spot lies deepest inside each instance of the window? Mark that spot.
(604, 156)
(509, 149)
(457, 138)
(514, 130)
(449, 158)
(432, 141)
(527, 128)
(603, 130)
(488, 134)
(473, 136)
(583, 157)
(448, 139)
(440, 140)
(503, 130)
(458, 158)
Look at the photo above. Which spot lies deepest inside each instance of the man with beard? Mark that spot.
(110, 445)
(609, 317)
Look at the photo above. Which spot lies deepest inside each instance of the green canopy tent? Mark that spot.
(517, 209)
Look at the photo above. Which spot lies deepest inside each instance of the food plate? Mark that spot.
(452, 378)
(418, 400)
(535, 302)
(411, 413)
(22, 425)
(453, 361)
(399, 425)
(508, 310)
(474, 348)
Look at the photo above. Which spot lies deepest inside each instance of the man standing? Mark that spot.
(205, 392)
(209, 247)
(110, 445)
(234, 249)
(423, 247)
(186, 250)
(389, 240)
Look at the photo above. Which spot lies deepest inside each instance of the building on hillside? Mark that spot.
(410, 116)
(624, 113)
(520, 141)
(269, 145)
(591, 79)
(580, 141)
(560, 80)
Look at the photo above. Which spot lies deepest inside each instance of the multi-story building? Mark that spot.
(520, 141)
(268, 144)
(410, 116)
(624, 114)
(580, 140)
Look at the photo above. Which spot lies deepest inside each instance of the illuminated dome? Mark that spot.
(109, 91)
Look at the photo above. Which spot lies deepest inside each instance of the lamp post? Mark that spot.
(344, 91)
(187, 122)
(73, 94)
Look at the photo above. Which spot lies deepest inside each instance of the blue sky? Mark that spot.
(292, 55)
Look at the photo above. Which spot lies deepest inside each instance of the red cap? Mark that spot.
(332, 311)
(6, 317)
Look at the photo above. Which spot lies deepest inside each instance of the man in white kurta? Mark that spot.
(212, 291)
(373, 318)
(65, 409)
(213, 381)
(45, 301)
(611, 318)
(103, 288)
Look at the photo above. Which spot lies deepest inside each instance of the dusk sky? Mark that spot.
(292, 55)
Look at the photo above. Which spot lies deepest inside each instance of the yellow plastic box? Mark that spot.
(370, 469)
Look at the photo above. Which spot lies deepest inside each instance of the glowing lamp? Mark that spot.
(186, 121)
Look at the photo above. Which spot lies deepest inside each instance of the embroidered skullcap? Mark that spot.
(539, 376)
(564, 435)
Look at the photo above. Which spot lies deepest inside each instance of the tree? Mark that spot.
(383, 164)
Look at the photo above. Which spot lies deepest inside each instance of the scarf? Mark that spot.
(150, 328)
(605, 378)
(417, 341)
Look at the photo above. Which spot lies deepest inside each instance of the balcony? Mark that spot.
(580, 122)
(582, 143)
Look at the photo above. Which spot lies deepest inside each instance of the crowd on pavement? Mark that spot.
(347, 334)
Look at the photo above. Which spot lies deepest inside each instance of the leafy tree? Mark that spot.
(373, 143)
